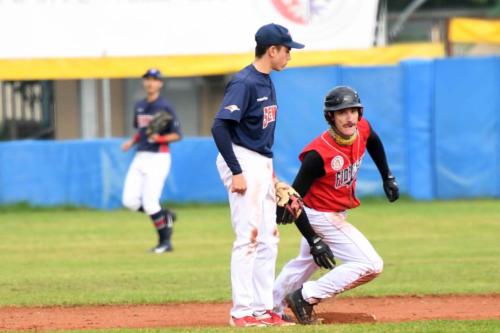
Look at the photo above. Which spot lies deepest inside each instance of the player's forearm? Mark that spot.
(376, 150)
(305, 228)
(222, 138)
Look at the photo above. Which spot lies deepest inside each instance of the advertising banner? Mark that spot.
(132, 28)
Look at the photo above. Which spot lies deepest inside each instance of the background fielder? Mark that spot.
(327, 182)
(151, 165)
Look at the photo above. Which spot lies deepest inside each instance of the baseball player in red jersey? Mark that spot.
(327, 182)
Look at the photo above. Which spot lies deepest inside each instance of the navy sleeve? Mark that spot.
(376, 150)
(236, 101)
(221, 131)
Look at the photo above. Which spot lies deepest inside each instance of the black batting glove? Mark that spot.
(391, 188)
(322, 255)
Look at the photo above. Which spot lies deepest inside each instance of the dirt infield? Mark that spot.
(345, 310)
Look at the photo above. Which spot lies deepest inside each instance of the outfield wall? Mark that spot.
(439, 121)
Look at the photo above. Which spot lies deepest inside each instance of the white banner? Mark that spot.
(110, 28)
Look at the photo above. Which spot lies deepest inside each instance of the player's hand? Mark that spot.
(127, 144)
(391, 188)
(322, 255)
(239, 184)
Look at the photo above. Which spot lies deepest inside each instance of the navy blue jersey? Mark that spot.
(250, 101)
(143, 113)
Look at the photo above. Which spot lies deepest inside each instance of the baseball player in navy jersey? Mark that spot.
(327, 182)
(151, 165)
(243, 131)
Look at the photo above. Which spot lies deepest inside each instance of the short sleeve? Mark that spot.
(364, 129)
(236, 100)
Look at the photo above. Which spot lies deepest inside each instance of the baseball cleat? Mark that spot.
(270, 318)
(247, 321)
(303, 311)
(162, 248)
(287, 318)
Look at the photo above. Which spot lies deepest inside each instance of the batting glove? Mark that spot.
(322, 255)
(391, 188)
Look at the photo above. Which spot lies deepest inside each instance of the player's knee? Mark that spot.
(374, 265)
(131, 203)
(151, 208)
(377, 265)
(244, 246)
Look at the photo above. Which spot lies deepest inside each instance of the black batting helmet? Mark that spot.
(342, 97)
(339, 98)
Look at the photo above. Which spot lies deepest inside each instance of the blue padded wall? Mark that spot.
(439, 121)
(466, 127)
(91, 172)
(418, 99)
(77, 172)
(380, 91)
(300, 93)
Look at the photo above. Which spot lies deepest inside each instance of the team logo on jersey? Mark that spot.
(269, 115)
(262, 99)
(139, 110)
(337, 163)
(143, 120)
(348, 175)
(232, 108)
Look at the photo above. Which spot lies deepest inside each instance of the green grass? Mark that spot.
(76, 256)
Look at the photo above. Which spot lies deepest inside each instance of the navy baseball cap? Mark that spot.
(152, 72)
(275, 34)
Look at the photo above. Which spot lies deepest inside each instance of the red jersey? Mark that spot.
(334, 191)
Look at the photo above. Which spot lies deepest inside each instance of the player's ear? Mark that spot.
(272, 50)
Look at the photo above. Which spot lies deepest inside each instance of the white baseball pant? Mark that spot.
(361, 263)
(253, 217)
(144, 182)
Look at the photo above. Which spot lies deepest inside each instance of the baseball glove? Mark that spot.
(158, 123)
(289, 203)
